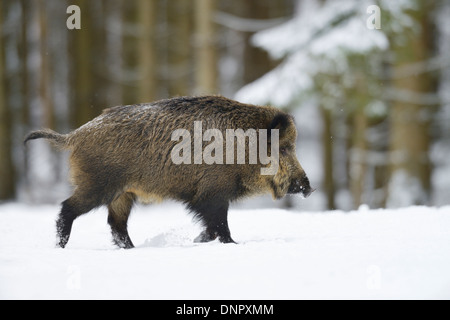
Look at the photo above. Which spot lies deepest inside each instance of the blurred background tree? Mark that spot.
(380, 93)
(372, 105)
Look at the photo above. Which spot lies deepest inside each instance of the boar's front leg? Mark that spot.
(213, 214)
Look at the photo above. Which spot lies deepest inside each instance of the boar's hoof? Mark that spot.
(207, 236)
(62, 241)
(122, 240)
(226, 239)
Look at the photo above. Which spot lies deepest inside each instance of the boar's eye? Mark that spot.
(285, 150)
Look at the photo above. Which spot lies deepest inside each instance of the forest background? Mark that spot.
(368, 82)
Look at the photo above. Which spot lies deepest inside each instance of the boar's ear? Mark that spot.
(280, 122)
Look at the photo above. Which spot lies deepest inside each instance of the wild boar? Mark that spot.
(133, 152)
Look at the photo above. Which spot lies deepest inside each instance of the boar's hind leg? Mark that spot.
(213, 215)
(72, 208)
(118, 212)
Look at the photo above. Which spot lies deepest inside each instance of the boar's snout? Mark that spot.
(301, 186)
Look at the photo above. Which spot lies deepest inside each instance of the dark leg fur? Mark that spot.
(118, 213)
(71, 209)
(214, 217)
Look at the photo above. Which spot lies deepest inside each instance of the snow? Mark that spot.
(363, 254)
(335, 25)
(407, 190)
(312, 44)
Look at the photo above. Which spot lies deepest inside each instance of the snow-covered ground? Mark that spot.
(364, 254)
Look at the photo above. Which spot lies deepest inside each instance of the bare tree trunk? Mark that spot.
(206, 55)
(44, 74)
(257, 61)
(83, 108)
(358, 156)
(41, 177)
(24, 113)
(358, 152)
(179, 66)
(147, 17)
(7, 180)
(114, 51)
(410, 120)
(327, 143)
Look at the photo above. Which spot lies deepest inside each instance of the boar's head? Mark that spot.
(290, 177)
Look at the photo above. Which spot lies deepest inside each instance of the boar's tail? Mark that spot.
(59, 140)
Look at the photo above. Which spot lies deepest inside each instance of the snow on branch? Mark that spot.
(310, 44)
